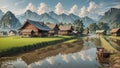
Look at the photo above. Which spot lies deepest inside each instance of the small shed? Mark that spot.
(65, 30)
(54, 29)
(115, 32)
(85, 32)
(12, 32)
(34, 29)
(100, 32)
(3, 33)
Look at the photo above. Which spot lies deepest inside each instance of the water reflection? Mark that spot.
(81, 55)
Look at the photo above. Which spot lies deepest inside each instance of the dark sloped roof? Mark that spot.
(114, 30)
(51, 26)
(39, 25)
(12, 31)
(65, 27)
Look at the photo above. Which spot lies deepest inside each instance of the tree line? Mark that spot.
(80, 27)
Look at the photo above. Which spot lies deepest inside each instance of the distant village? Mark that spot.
(40, 29)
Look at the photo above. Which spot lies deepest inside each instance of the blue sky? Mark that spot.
(78, 7)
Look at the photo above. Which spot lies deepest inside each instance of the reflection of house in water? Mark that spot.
(102, 56)
(65, 49)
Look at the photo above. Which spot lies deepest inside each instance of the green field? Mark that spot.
(10, 42)
(107, 45)
(115, 37)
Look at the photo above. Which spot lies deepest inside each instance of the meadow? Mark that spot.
(115, 37)
(105, 43)
(16, 41)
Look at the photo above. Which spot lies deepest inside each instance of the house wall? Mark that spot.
(118, 32)
(56, 29)
(29, 26)
(35, 31)
(61, 32)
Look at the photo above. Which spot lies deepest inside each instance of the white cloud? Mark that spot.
(92, 6)
(59, 9)
(93, 10)
(43, 8)
(83, 12)
(31, 7)
(74, 9)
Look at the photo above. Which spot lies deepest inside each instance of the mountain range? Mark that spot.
(53, 17)
(112, 15)
(1, 14)
(9, 20)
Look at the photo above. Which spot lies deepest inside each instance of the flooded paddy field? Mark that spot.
(77, 54)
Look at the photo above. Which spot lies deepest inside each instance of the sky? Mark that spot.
(91, 8)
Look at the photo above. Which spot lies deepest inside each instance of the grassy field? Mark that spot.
(107, 45)
(70, 41)
(10, 42)
(116, 37)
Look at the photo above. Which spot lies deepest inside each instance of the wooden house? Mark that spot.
(65, 30)
(115, 32)
(12, 32)
(100, 32)
(85, 32)
(3, 33)
(34, 29)
(54, 29)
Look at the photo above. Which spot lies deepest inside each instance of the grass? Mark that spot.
(70, 41)
(116, 37)
(16, 41)
(107, 45)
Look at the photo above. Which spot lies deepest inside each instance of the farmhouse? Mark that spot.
(85, 32)
(100, 32)
(65, 30)
(12, 32)
(33, 29)
(3, 33)
(54, 29)
(115, 32)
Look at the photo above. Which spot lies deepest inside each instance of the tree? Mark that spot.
(93, 27)
(103, 26)
(60, 23)
(78, 26)
(114, 25)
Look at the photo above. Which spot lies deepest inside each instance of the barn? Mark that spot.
(100, 32)
(34, 29)
(12, 32)
(115, 32)
(54, 29)
(65, 30)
